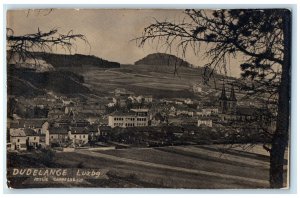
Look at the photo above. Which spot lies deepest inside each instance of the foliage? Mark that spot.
(261, 37)
(256, 34)
(24, 46)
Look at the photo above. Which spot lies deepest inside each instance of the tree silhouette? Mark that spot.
(22, 47)
(25, 46)
(262, 37)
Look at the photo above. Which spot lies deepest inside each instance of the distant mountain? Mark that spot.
(62, 60)
(75, 60)
(28, 82)
(163, 59)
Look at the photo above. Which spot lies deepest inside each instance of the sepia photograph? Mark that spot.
(148, 98)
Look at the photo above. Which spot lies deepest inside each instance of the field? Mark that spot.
(157, 81)
(173, 167)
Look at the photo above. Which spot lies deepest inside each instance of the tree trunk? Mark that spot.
(281, 137)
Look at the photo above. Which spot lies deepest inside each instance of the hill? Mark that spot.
(163, 59)
(43, 72)
(63, 60)
(158, 81)
(75, 60)
(27, 82)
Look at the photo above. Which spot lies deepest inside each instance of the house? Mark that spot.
(17, 139)
(142, 98)
(206, 121)
(138, 99)
(132, 99)
(182, 110)
(22, 139)
(38, 125)
(57, 135)
(44, 128)
(104, 130)
(148, 99)
(172, 111)
(66, 137)
(73, 119)
(201, 114)
(55, 114)
(208, 111)
(120, 101)
(93, 131)
(119, 91)
(33, 138)
(15, 124)
(79, 135)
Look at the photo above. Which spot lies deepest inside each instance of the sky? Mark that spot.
(109, 32)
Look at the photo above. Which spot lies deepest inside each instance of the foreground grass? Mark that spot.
(128, 174)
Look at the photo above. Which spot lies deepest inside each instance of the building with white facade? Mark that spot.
(134, 118)
(208, 112)
(17, 139)
(205, 121)
(79, 135)
(21, 139)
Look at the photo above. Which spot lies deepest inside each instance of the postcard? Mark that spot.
(148, 98)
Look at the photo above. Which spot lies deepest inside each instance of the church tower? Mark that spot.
(223, 101)
(232, 101)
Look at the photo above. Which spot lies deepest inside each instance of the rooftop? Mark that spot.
(34, 122)
(118, 113)
(58, 130)
(140, 110)
(15, 125)
(79, 130)
(30, 132)
(17, 133)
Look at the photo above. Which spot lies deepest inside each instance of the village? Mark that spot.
(161, 98)
(125, 120)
